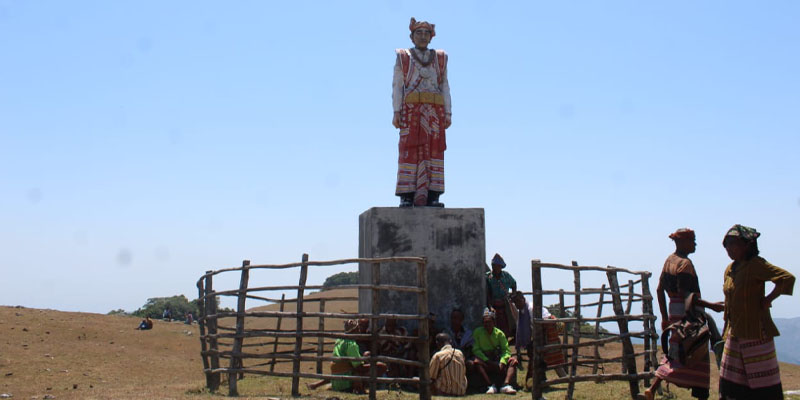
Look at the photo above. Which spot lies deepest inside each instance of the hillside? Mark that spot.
(786, 343)
(92, 356)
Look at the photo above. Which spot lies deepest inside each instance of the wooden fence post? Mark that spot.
(211, 324)
(576, 330)
(561, 314)
(597, 329)
(201, 308)
(628, 357)
(630, 297)
(238, 341)
(650, 360)
(376, 299)
(424, 344)
(321, 339)
(277, 328)
(298, 344)
(536, 362)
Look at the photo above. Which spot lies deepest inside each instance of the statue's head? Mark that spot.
(421, 33)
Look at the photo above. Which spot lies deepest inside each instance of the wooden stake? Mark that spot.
(376, 300)
(629, 358)
(298, 345)
(597, 327)
(424, 345)
(211, 324)
(277, 328)
(236, 362)
(538, 372)
(576, 330)
(320, 340)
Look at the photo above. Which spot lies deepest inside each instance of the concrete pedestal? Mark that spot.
(454, 242)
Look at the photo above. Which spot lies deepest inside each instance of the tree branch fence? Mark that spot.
(621, 299)
(244, 348)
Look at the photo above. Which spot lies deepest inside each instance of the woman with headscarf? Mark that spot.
(749, 363)
(679, 281)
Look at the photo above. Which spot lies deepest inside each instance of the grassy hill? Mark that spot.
(92, 356)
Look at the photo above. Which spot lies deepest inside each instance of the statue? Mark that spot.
(421, 102)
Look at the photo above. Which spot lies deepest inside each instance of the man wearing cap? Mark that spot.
(493, 359)
(421, 103)
(499, 285)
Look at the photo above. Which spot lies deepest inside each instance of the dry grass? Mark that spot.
(103, 357)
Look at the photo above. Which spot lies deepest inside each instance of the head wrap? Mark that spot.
(497, 260)
(414, 25)
(745, 232)
(350, 325)
(487, 313)
(683, 233)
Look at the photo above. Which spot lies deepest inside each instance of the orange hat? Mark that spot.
(414, 25)
(683, 233)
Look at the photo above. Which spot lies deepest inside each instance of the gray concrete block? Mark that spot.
(454, 242)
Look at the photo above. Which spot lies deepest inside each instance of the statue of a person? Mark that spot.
(421, 102)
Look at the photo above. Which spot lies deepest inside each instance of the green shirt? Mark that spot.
(496, 342)
(499, 287)
(345, 348)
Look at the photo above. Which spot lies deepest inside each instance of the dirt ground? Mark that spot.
(71, 355)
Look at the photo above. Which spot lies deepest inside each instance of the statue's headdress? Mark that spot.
(414, 25)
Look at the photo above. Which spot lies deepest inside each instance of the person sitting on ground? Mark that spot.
(349, 348)
(498, 285)
(493, 358)
(167, 315)
(145, 324)
(189, 318)
(460, 337)
(524, 339)
(448, 370)
(393, 347)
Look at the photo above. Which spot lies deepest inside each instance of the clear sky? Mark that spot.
(144, 142)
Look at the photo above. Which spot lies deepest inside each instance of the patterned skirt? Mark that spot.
(695, 376)
(422, 145)
(750, 370)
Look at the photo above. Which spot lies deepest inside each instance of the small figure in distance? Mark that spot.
(167, 315)
(146, 324)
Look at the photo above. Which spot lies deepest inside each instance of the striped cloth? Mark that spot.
(553, 357)
(449, 372)
(750, 363)
(671, 370)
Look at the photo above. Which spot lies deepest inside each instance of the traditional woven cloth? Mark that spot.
(671, 370)
(751, 363)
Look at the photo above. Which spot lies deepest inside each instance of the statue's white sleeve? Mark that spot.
(445, 87)
(397, 86)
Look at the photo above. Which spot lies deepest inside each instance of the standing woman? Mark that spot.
(749, 364)
(679, 281)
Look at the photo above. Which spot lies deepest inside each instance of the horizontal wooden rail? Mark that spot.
(599, 378)
(309, 334)
(291, 314)
(412, 381)
(393, 360)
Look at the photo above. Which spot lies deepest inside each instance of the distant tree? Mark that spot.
(155, 306)
(340, 279)
(118, 311)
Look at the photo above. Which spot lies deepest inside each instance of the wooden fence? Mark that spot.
(621, 299)
(214, 335)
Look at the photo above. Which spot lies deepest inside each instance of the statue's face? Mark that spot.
(421, 37)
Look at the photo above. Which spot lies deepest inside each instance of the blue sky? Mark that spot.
(142, 143)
